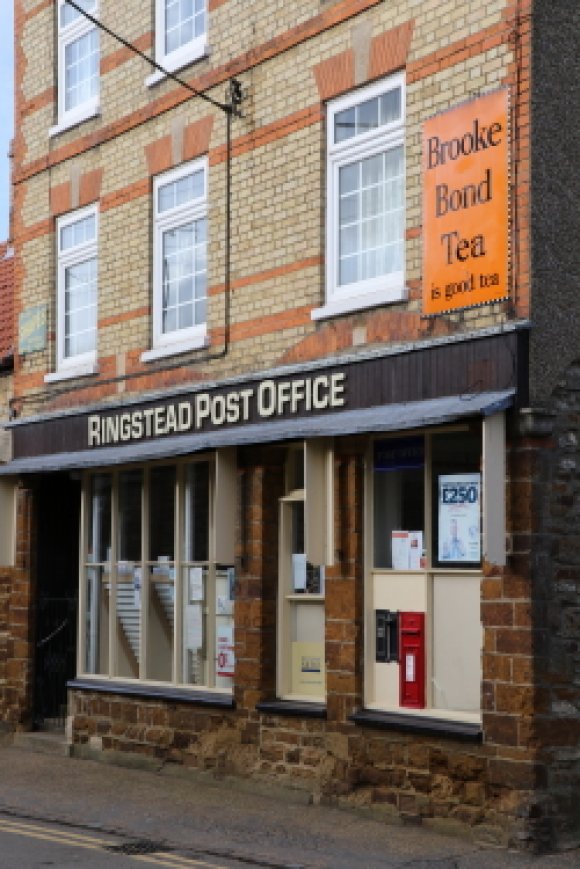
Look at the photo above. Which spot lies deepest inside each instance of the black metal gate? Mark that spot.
(55, 659)
(57, 500)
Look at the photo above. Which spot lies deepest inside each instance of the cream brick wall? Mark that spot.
(278, 207)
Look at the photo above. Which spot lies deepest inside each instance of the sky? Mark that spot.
(6, 108)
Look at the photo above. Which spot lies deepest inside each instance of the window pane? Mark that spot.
(344, 125)
(81, 231)
(371, 217)
(196, 539)
(391, 106)
(184, 276)
(129, 575)
(457, 510)
(100, 518)
(194, 662)
(81, 70)
(68, 13)
(398, 494)
(367, 116)
(181, 191)
(98, 580)
(161, 622)
(129, 520)
(98, 592)
(162, 514)
(80, 308)
(184, 19)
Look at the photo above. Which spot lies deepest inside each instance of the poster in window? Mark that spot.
(226, 661)
(459, 518)
(308, 669)
(407, 550)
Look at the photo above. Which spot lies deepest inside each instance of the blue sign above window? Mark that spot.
(395, 454)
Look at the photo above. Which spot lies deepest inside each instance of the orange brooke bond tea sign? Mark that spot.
(465, 206)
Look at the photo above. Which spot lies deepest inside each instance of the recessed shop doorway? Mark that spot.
(57, 501)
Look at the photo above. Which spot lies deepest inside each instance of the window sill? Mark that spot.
(292, 708)
(175, 349)
(72, 373)
(337, 307)
(161, 692)
(176, 65)
(423, 724)
(92, 111)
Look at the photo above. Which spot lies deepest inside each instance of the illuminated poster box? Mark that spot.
(465, 205)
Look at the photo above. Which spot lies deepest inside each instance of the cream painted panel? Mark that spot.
(7, 522)
(457, 638)
(409, 593)
(225, 505)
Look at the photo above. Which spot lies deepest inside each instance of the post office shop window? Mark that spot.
(157, 603)
(305, 548)
(180, 33)
(77, 295)
(180, 260)
(423, 591)
(78, 64)
(365, 198)
(399, 502)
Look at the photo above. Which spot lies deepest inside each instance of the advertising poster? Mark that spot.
(407, 550)
(465, 205)
(225, 650)
(308, 669)
(459, 518)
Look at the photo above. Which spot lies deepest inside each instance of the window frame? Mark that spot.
(315, 493)
(67, 34)
(426, 577)
(193, 337)
(182, 56)
(383, 289)
(214, 567)
(80, 363)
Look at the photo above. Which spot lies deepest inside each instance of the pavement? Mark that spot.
(259, 826)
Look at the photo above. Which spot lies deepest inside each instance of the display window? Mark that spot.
(305, 549)
(158, 583)
(424, 633)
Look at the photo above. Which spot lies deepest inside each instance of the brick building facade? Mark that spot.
(325, 497)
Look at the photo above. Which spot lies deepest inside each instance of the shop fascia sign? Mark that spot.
(465, 205)
(266, 400)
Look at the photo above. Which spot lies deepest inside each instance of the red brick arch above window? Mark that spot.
(189, 142)
(388, 52)
(83, 190)
(196, 138)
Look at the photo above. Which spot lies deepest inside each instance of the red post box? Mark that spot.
(412, 660)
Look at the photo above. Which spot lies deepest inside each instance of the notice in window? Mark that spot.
(195, 583)
(459, 518)
(407, 550)
(193, 627)
(225, 650)
(308, 669)
(299, 571)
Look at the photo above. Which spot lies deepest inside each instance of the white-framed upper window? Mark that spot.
(180, 257)
(365, 198)
(77, 236)
(180, 32)
(78, 64)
